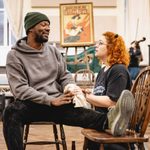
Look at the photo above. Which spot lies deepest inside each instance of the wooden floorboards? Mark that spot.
(44, 132)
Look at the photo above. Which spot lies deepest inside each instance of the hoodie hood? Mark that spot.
(22, 46)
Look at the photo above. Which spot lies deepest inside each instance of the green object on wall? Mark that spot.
(93, 61)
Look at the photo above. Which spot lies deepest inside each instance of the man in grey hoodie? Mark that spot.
(37, 75)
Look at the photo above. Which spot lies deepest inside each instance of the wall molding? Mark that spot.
(56, 3)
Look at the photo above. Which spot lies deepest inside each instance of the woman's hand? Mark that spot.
(62, 100)
(87, 91)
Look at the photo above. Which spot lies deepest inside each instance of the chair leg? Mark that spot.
(132, 146)
(85, 144)
(56, 136)
(128, 146)
(25, 138)
(141, 146)
(73, 146)
(101, 147)
(63, 138)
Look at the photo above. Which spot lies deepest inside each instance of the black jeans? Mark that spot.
(19, 113)
(96, 146)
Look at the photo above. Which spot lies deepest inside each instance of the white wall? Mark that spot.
(105, 19)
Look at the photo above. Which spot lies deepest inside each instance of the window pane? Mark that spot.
(1, 4)
(13, 39)
(1, 28)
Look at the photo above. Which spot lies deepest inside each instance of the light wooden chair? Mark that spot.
(139, 120)
(57, 140)
(85, 78)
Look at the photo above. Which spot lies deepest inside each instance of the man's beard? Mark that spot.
(41, 39)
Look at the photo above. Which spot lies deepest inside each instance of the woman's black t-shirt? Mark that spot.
(111, 83)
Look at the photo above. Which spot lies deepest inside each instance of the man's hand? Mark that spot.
(72, 88)
(62, 100)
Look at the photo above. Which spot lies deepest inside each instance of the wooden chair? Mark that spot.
(139, 120)
(84, 78)
(57, 141)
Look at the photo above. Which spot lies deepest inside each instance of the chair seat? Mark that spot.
(104, 137)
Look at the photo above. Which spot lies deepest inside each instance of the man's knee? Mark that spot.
(12, 111)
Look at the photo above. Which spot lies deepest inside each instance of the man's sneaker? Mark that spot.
(120, 114)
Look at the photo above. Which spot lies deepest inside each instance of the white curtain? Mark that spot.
(14, 10)
(138, 24)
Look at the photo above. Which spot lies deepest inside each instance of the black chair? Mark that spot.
(57, 140)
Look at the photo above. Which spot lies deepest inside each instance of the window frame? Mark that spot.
(7, 30)
(8, 38)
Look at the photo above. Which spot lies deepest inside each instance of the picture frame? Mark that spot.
(76, 24)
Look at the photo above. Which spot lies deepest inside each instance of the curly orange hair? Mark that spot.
(117, 52)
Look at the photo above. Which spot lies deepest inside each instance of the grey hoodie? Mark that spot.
(37, 75)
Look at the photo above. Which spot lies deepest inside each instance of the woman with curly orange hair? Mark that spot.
(112, 79)
(116, 49)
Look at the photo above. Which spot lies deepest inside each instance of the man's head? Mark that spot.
(33, 18)
(37, 24)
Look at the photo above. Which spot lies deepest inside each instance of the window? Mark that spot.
(6, 36)
(1, 27)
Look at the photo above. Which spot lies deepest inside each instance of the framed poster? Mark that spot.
(76, 24)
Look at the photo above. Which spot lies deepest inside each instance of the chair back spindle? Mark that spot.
(141, 92)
